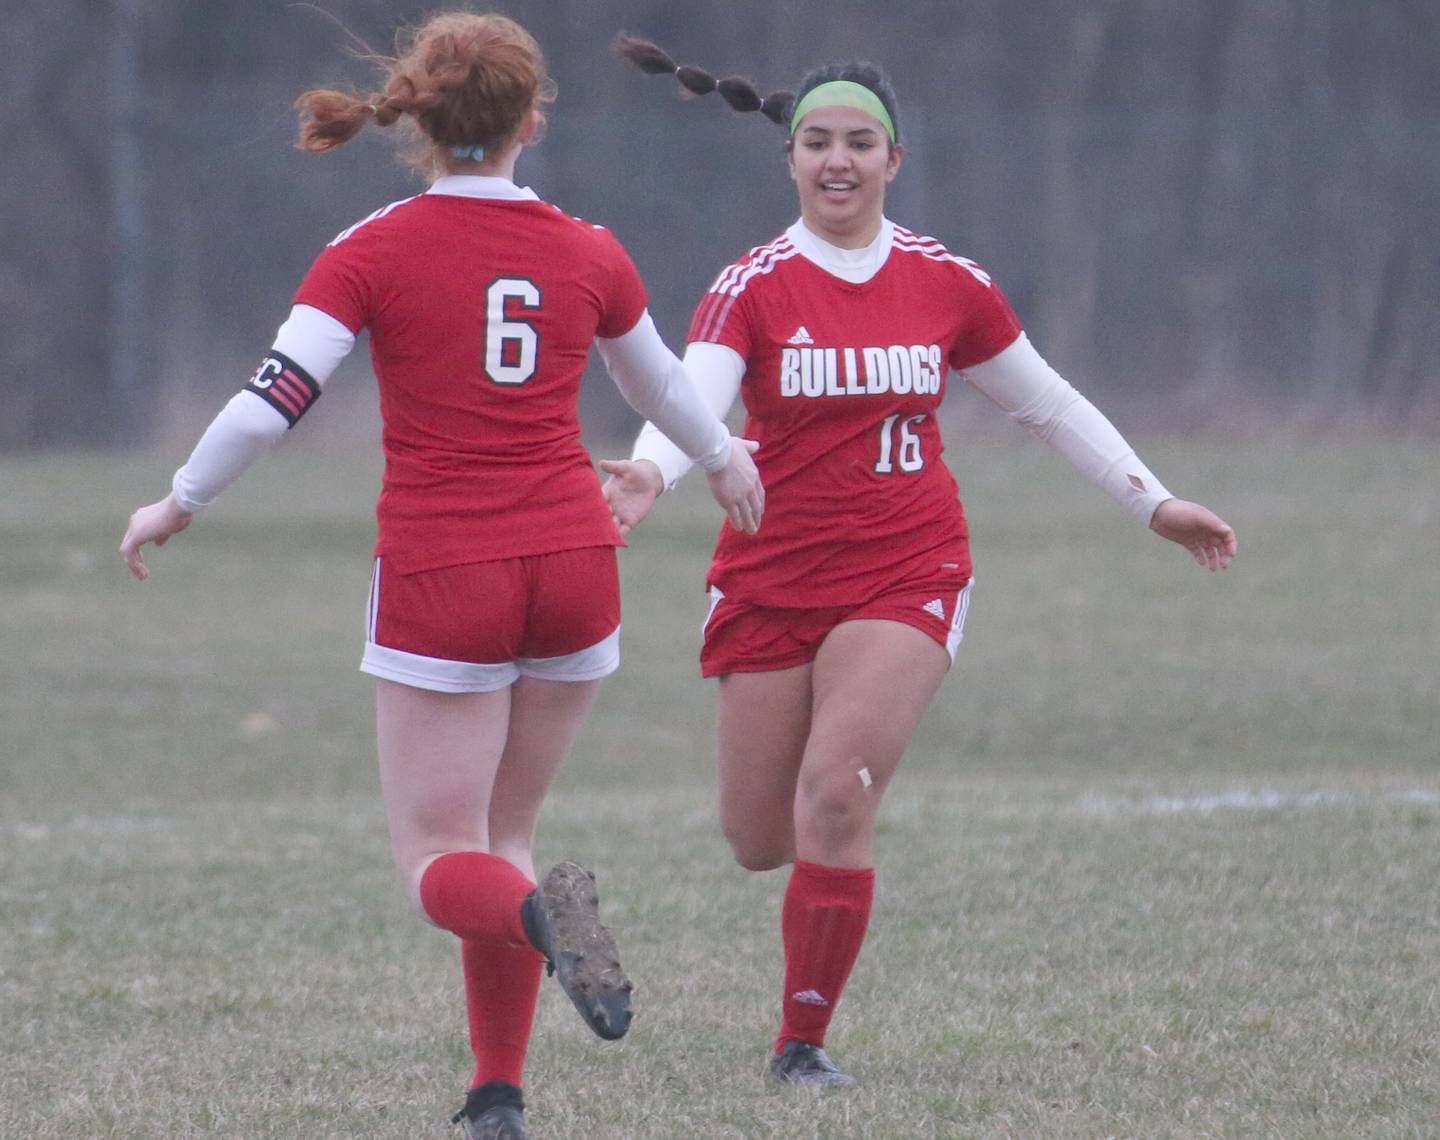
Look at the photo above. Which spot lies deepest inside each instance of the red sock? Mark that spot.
(476, 895)
(823, 924)
(502, 982)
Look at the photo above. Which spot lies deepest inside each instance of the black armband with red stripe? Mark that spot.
(284, 385)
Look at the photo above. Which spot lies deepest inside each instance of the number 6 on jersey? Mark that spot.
(498, 331)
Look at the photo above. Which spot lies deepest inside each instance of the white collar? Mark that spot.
(854, 265)
(482, 186)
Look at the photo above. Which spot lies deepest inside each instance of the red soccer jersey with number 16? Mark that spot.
(842, 384)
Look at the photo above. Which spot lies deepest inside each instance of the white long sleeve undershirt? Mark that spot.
(1033, 394)
(655, 383)
(1017, 379)
(247, 426)
(716, 372)
(649, 376)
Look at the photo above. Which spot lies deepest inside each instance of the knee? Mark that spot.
(757, 858)
(837, 812)
(757, 851)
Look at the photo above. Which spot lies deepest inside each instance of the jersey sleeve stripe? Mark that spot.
(720, 311)
(733, 281)
(705, 317)
(935, 251)
(727, 275)
(759, 268)
(732, 274)
(378, 214)
(726, 291)
(714, 308)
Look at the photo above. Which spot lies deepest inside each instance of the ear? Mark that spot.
(529, 126)
(892, 162)
(790, 159)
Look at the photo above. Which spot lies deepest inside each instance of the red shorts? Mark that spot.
(481, 626)
(758, 639)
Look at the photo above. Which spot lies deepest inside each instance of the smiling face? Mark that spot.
(841, 160)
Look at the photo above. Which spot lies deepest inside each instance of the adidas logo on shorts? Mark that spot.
(935, 606)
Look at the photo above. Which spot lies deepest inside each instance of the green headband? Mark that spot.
(843, 93)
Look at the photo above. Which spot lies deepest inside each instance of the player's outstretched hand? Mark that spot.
(155, 523)
(631, 490)
(1208, 537)
(737, 487)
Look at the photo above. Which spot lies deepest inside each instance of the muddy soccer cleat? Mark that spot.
(562, 921)
(493, 1111)
(800, 1063)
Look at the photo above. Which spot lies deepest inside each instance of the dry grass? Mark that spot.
(1161, 863)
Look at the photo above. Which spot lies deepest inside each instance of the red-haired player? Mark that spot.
(494, 605)
(832, 627)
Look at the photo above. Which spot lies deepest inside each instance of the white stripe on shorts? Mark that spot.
(957, 623)
(372, 606)
(716, 597)
(435, 673)
(599, 660)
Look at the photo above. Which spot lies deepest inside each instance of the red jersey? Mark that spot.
(842, 382)
(481, 313)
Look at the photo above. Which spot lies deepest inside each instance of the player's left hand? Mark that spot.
(155, 523)
(1208, 537)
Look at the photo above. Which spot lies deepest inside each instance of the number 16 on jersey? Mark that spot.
(899, 446)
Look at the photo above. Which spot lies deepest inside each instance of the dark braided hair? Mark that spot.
(742, 95)
(738, 92)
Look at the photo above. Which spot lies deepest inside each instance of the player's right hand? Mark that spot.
(154, 523)
(631, 490)
(737, 487)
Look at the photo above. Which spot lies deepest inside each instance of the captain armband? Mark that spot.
(284, 385)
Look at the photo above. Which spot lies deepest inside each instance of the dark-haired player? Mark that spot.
(831, 628)
(494, 605)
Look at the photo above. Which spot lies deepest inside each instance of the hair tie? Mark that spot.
(473, 153)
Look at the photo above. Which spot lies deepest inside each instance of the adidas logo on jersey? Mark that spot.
(801, 336)
(935, 606)
(809, 997)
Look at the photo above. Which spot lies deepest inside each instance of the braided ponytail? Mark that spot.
(461, 80)
(331, 118)
(739, 93)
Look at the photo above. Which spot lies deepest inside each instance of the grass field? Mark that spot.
(1162, 861)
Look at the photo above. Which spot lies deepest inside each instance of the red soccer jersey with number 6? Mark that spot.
(842, 382)
(481, 313)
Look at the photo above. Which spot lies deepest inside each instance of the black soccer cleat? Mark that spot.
(562, 921)
(493, 1111)
(801, 1063)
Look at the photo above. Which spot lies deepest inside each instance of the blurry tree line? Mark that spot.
(1222, 214)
